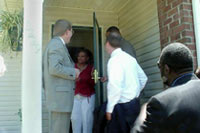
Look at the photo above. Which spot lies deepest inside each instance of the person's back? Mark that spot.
(128, 64)
(181, 109)
(175, 110)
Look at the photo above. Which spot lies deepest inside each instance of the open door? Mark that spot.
(98, 71)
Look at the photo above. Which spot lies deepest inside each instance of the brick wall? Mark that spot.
(176, 23)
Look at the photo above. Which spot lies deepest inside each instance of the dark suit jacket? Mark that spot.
(128, 48)
(176, 110)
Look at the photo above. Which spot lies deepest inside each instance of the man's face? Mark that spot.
(163, 74)
(108, 48)
(69, 34)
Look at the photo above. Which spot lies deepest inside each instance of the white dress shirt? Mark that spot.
(125, 79)
(62, 40)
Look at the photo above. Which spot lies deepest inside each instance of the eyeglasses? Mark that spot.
(158, 64)
(72, 31)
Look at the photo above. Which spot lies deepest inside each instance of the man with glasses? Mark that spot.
(177, 109)
(59, 75)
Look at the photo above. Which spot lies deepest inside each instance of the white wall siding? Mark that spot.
(138, 22)
(10, 94)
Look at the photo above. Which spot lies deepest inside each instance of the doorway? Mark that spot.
(82, 38)
(87, 37)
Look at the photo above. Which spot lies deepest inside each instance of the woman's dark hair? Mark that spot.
(88, 54)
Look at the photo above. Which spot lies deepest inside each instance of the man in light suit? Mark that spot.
(59, 75)
(177, 109)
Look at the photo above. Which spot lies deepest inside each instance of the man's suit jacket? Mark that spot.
(128, 48)
(176, 110)
(59, 76)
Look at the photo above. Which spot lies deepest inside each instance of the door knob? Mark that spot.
(95, 76)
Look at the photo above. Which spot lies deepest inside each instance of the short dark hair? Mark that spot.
(113, 29)
(88, 53)
(114, 39)
(61, 26)
(178, 57)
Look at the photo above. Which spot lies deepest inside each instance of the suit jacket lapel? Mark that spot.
(183, 79)
(69, 55)
(66, 50)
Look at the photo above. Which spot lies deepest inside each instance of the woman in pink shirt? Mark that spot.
(84, 99)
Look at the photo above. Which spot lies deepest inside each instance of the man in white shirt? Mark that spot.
(126, 79)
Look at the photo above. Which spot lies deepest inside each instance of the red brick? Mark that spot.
(195, 53)
(178, 29)
(164, 41)
(175, 37)
(172, 28)
(185, 40)
(158, 1)
(186, 7)
(169, 20)
(167, 8)
(161, 1)
(161, 4)
(174, 24)
(181, 28)
(164, 35)
(176, 16)
(187, 19)
(176, 3)
(164, 29)
(172, 12)
(187, 1)
(185, 13)
(191, 47)
(191, 13)
(170, 1)
(188, 33)
(163, 17)
(193, 40)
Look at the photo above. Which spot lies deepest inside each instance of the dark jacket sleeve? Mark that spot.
(128, 48)
(155, 117)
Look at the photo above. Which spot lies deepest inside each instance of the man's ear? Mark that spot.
(166, 69)
(67, 32)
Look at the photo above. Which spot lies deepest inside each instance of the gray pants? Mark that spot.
(59, 122)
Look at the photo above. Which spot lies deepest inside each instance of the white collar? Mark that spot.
(117, 50)
(62, 40)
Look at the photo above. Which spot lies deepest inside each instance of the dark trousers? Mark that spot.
(123, 117)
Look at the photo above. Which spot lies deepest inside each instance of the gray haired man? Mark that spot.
(59, 76)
